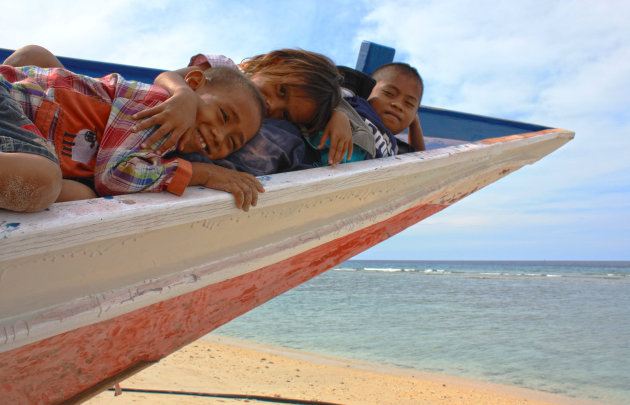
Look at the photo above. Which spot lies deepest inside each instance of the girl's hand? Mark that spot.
(243, 186)
(340, 133)
(176, 115)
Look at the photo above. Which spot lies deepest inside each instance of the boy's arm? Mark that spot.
(123, 167)
(135, 171)
(243, 186)
(416, 138)
(176, 115)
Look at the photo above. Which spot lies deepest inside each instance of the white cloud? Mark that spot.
(165, 33)
(563, 64)
(511, 58)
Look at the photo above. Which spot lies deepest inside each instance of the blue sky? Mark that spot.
(562, 64)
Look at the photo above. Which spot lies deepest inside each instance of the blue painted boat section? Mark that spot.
(373, 55)
(435, 123)
(469, 127)
(99, 69)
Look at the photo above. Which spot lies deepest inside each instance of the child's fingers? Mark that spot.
(254, 198)
(250, 188)
(325, 137)
(259, 187)
(162, 131)
(255, 184)
(252, 182)
(147, 113)
(332, 156)
(336, 152)
(170, 141)
(185, 139)
(155, 119)
(144, 124)
(247, 198)
(238, 194)
(243, 194)
(332, 151)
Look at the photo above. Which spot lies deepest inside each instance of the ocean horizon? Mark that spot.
(556, 326)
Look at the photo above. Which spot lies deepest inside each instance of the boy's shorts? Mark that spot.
(17, 132)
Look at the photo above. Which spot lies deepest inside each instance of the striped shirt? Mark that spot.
(383, 143)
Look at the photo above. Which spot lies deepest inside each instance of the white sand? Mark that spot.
(224, 365)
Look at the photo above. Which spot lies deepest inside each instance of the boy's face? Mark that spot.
(396, 98)
(226, 120)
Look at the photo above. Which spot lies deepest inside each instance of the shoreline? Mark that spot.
(223, 365)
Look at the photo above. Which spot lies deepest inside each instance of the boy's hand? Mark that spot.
(243, 186)
(340, 133)
(176, 115)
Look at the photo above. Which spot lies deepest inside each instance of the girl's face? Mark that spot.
(285, 101)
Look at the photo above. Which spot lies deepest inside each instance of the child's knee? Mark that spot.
(28, 183)
(33, 55)
(48, 182)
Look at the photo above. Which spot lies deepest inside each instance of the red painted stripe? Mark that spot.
(62, 366)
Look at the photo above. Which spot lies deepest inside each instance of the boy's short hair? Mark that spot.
(235, 80)
(402, 68)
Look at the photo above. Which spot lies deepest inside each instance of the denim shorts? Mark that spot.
(13, 135)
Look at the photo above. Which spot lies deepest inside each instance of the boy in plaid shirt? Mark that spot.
(89, 121)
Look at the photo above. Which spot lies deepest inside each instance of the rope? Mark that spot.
(230, 396)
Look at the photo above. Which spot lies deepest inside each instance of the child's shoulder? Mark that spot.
(363, 108)
(357, 82)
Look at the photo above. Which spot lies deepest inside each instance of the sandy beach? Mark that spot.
(226, 366)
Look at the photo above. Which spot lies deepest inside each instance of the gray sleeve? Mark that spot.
(361, 134)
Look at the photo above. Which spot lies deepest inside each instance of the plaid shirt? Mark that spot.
(89, 121)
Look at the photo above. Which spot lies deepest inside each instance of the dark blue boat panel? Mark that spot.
(4, 53)
(99, 69)
(469, 127)
(373, 55)
(435, 123)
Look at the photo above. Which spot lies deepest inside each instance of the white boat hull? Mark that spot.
(167, 270)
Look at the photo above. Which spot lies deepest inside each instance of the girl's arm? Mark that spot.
(416, 139)
(176, 115)
(339, 131)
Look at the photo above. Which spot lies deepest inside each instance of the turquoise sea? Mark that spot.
(559, 327)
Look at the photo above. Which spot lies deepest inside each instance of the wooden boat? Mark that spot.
(93, 291)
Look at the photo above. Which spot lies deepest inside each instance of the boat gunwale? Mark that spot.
(56, 227)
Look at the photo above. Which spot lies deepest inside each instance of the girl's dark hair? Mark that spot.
(310, 72)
